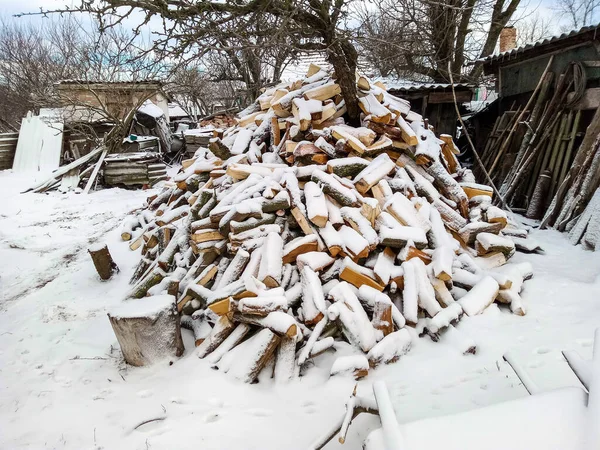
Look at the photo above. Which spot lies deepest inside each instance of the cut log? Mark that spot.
(480, 297)
(358, 275)
(198, 325)
(488, 242)
(351, 317)
(271, 262)
(373, 173)
(390, 348)
(247, 360)
(223, 328)
(279, 322)
(234, 338)
(285, 360)
(332, 187)
(316, 206)
(299, 246)
(371, 106)
(323, 92)
(474, 189)
(262, 305)
(403, 210)
(103, 262)
(356, 366)
(313, 300)
(136, 324)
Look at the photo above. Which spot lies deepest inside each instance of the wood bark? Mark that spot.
(105, 266)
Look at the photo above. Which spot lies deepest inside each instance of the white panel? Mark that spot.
(39, 145)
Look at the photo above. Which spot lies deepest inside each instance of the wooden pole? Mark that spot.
(567, 160)
(94, 174)
(520, 117)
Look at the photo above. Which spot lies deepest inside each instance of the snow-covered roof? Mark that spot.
(398, 84)
(548, 44)
(108, 83)
(151, 109)
(175, 110)
(299, 67)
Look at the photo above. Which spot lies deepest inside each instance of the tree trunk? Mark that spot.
(498, 22)
(343, 57)
(103, 261)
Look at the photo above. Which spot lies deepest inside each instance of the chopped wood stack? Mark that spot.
(131, 169)
(294, 230)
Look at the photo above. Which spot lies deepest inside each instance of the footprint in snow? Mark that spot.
(468, 377)
(542, 350)
(309, 407)
(584, 342)
(535, 364)
(260, 412)
(216, 402)
(211, 417)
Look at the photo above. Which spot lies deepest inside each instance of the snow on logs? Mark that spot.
(294, 231)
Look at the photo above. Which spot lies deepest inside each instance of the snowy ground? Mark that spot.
(63, 383)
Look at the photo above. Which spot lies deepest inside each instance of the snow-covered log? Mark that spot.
(480, 297)
(138, 323)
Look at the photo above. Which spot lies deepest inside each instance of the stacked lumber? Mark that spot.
(8, 148)
(131, 169)
(293, 230)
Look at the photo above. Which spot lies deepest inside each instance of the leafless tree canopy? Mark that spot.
(424, 36)
(579, 13)
(193, 29)
(533, 28)
(33, 58)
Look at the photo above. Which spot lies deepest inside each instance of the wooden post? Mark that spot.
(103, 261)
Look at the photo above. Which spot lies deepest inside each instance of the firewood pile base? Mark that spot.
(293, 231)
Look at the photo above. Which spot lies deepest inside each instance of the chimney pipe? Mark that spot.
(508, 39)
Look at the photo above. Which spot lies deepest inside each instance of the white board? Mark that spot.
(39, 145)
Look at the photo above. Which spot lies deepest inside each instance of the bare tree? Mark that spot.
(579, 13)
(428, 35)
(533, 28)
(199, 94)
(32, 59)
(192, 29)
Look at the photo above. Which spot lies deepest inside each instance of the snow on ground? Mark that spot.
(63, 383)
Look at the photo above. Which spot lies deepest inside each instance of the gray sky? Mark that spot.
(11, 7)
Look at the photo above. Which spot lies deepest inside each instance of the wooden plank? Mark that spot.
(590, 100)
(64, 169)
(446, 97)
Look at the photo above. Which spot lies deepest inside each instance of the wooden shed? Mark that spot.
(545, 117)
(434, 101)
(518, 71)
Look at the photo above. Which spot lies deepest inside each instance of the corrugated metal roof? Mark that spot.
(511, 54)
(108, 83)
(414, 86)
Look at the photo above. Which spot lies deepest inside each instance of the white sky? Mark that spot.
(10, 7)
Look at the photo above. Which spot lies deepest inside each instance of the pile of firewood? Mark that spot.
(294, 230)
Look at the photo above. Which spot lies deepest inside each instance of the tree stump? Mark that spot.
(105, 266)
(148, 330)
